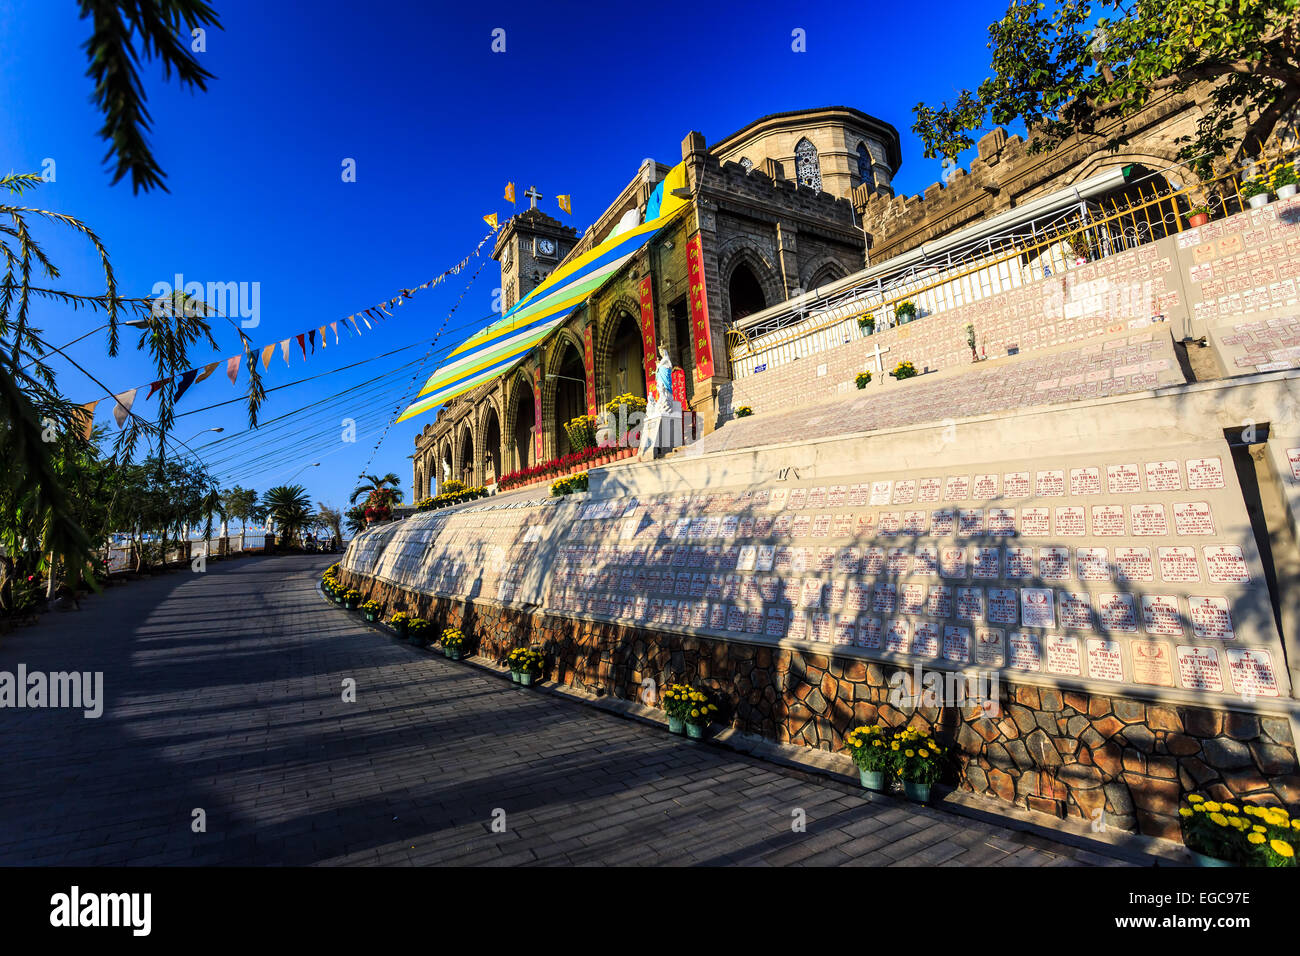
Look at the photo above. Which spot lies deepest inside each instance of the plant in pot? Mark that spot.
(915, 758)
(370, 610)
(678, 701)
(904, 370)
(399, 623)
(905, 312)
(867, 323)
(1255, 192)
(1286, 181)
(525, 665)
(351, 598)
(869, 747)
(1220, 833)
(1198, 216)
(453, 643)
(744, 411)
(862, 380)
(417, 631)
(700, 715)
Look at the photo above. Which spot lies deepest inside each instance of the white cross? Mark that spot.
(880, 367)
(533, 195)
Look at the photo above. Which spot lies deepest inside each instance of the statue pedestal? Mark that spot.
(661, 431)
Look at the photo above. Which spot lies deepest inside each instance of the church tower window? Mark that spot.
(747, 163)
(807, 166)
(864, 164)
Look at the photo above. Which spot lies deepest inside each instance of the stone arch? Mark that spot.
(463, 463)
(520, 416)
(807, 164)
(555, 440)
(603, 346)
(764, 269)
(487, 450)
(821, 271)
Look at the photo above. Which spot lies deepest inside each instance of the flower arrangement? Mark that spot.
(744, 411)
(905, 311)
(1284, 175)
(453, 493)
(525, 664)
(1248, 835)
(915, 757)
(351, 597)
(452, 638)
(569, 485)
(862, 380)
(867, 323)
(399, 623)
(1198, 211)
(554, 468)
(1254, 187)
(685, 705)
(904, 370)
(869, 747)
(581, 431)
(371, 609)
(632, 402)
(417, 630)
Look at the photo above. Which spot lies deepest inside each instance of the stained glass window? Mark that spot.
(746, 162)
(807, 167)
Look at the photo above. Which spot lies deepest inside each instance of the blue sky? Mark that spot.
(437, 124)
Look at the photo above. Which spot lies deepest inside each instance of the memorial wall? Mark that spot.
(1090, 571)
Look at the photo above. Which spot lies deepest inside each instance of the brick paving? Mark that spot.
(223, 693)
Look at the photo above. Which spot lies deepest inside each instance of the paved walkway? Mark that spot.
(224, 693)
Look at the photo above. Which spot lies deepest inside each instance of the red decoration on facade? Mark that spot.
(649, 350)
(701, 336)
(537, 411)
(589, 360)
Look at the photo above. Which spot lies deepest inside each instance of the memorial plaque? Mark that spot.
(1123, 479)
(845, 630)
(817, 497)
(884, 599)
(1002, 522)
(912, 599)
(939, 601)
(1252, 672)
(1003, 606)
(1070, 521)
(987, 562)
(898, 636)
(1035, 522)
(925, 561)
(1211, 618)
(798, 498)
(1152, 664)
(1074, 609)
(838, 495)
(1107, 520)
(1036, 607)
(1148, 520)
(1204, 473)
(900, 561)
(1062, 653)
(904, 492)
(941, 522)
(1054, 563)
(925, 642)
(869, 633)
(1226, 564)
(1160, 615)
(1015, 484)
(881, 492)
(952, 562)
(1178, 565)
(1198, 668)
(1133, 564)
(1050, 484)
(1020, 563)
(970, 522)
(985, 487)
(970, 604)
(990, 648)
(1085, 481)
(957, 488)
(1193, 517)
(956, 643)
(930, 489)
(1116, 611)
(1105, 661)
(873, 561)
(820, 630)
(1024, 651)
(1092, 564)
(776, 622)
(1164, 476)
(889, 523)
(859, 596)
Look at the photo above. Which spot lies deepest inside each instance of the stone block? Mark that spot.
(1041, 749)
(1140, 736)
(1153, 794)
(1272, 759)
(1130, 711)
(1163, 718)
(1224, 752)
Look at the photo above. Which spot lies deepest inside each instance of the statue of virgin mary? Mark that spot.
(664, 379)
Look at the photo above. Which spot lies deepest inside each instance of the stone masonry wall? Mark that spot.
(1109, 761)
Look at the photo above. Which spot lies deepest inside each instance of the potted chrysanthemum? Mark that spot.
(453, 642)
(869, 747)
(351, 598)
(525, 665)
(399, 623)
(677, 705)
(370, 610)
(700, 715)
(915, 758)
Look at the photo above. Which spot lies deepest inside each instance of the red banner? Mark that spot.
(590, 362)
(537, 411)
(701, 337)
(648, 348)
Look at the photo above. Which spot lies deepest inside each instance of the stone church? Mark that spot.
(773, 207)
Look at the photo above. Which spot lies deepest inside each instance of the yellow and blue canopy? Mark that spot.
(498, 348)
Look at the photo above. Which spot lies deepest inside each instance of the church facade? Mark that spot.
(770, 216)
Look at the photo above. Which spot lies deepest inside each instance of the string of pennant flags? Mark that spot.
(306, 343)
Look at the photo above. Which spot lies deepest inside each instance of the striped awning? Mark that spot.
(499, 347)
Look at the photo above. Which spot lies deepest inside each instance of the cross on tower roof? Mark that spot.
(533, 195)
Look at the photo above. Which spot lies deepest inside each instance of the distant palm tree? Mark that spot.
(331, 519)
(374, 483)
(289, 506)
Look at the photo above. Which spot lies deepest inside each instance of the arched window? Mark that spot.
(807, 167)
(864, 165)
(747, 163)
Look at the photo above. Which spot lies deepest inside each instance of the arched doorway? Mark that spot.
(625, 366)
(491, 448)
(570, 395)
(525, 422)
(466, 457)
(745, 293)
(445, 466)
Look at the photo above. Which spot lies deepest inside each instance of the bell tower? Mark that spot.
(529, 248)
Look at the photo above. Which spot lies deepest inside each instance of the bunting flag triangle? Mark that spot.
(88, 419)
(284, 350)
(367, 321)
(302, 345)
(311, 337)
(232, 368)
(491, 219)
(123, 406)
(334, 327)
(266, 356)
(510, 192)
(565, 203)
(207, 370)
(322, 336)
(155, 387)
(186, 381)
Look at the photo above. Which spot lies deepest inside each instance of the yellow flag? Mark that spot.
(510, 192)
(565, 203)
(491, 219)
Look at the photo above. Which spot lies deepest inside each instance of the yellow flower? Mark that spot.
(1211, 806)
(1231, 807)
(1282, 848)
(1219, 819)
(1259, 829)
(894, 745)
(1195, 798)
(1184, 811)
(1255, 838)
(923, 752)
(909, 753)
